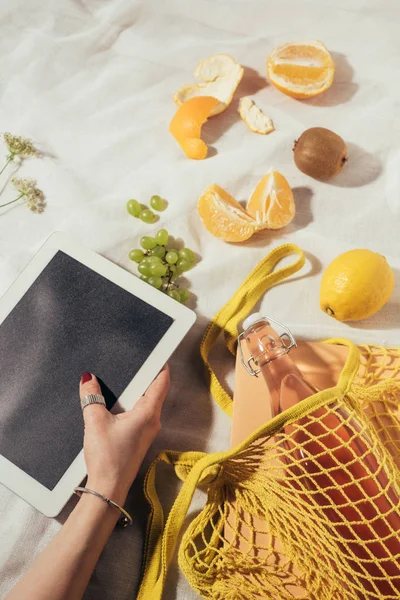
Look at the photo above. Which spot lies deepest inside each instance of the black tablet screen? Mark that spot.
(70, 320)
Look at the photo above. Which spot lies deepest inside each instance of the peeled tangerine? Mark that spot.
(356, 285)
(187, 122)
(271, 206)
(254, 117)
(220, 75)
(301, 69)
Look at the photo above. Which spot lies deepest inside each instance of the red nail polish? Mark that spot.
(86, 377)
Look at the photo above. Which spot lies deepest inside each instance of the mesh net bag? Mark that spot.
(309, 505)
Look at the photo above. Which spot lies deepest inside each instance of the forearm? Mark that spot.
(114, 449)
(63, 570)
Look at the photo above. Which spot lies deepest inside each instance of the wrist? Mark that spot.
(113, 490)
(93, 510)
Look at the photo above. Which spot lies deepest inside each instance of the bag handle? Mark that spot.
(192, 468)
(239, 306)
(196, 467)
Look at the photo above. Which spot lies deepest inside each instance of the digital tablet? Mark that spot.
(72, 311)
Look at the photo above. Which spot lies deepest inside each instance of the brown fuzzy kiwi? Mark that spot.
(320, 153)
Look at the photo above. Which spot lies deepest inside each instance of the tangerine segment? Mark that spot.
(219, 75)
(223, 216)
(187, 122)
(272, 203)
(301, 69)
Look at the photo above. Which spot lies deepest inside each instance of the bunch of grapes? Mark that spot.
(160, 266)
(135, 209)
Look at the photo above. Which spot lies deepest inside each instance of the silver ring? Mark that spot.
(92, 399)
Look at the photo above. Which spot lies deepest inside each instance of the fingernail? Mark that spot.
(86, 377)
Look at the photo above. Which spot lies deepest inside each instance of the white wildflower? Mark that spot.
(29, 193)
(19, 146)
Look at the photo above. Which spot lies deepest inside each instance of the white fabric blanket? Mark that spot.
(91, 81)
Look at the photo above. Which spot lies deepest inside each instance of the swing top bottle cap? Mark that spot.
(251, 319)
(264, 341)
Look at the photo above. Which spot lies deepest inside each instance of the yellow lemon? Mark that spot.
(356, 285)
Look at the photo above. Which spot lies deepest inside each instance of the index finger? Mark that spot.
(158, 389)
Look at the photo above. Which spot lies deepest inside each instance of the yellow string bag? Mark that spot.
(322, 478)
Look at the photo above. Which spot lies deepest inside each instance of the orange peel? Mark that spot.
(254, 117)
(219, 77)
(301, 69)
(187, 123)
(272, 204)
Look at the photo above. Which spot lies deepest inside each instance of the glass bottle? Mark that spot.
(332, 460)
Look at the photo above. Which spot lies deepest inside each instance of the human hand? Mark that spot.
(115, 444)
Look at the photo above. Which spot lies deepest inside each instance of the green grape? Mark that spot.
(133, 207)
(157, 203)
(175, 295)
(153, 260)
(184, 295)
(172, 257)
(147, 242)
(147, 215)
(146, 260)
(183, 265)
(155, 281)
(159, 251)
(136, 255)
(162, 237)
(187, 254)
(144, 269)
(158, 269)
(144, 278)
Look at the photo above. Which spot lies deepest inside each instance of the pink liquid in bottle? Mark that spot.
(331, 439)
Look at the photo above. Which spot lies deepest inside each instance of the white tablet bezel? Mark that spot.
(50, 502)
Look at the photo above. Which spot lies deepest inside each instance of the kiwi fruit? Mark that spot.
(320, 153)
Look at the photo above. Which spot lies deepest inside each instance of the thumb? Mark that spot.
(90, 385)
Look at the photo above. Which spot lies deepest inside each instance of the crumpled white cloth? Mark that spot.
(91, 81)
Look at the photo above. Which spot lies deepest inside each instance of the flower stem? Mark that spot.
(9, 159)
(12, 201)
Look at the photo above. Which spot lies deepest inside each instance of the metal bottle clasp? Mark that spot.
(287, 339)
